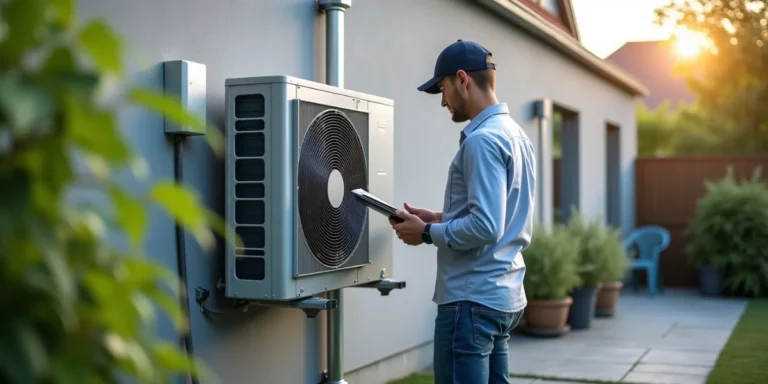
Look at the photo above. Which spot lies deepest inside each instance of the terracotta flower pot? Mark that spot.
(607, 295)
(547, 317)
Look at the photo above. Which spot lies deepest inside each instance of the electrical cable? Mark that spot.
(181, 253)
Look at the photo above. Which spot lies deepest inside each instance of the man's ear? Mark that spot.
(462, 79)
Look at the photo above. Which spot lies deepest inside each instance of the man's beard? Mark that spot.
(458, 115)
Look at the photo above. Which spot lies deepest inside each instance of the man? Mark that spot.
(485, 224)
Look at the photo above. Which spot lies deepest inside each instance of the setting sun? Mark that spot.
(689, 44)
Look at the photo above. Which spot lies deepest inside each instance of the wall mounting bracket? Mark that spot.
(385, 286)
(311, 306)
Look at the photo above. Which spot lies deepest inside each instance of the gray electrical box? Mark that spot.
(295, 150)
(186, 81)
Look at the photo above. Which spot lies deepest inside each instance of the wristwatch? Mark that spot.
(425, 236)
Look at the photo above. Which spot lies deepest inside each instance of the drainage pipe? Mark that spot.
(334, 75)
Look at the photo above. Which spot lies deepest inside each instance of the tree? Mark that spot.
(77, 304)
(655, 130)
(730, 76)
(688, 130)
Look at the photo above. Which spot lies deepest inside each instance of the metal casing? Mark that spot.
(186, 80)
(273, 264)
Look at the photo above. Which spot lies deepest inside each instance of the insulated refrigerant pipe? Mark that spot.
(334, 75)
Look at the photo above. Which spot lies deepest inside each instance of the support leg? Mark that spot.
(652, 280)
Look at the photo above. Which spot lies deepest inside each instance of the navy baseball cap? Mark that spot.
(461, 55)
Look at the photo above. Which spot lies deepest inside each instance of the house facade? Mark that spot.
(390, 48)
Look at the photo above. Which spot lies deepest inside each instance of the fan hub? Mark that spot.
(335, 188)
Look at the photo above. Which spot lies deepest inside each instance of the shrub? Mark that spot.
(593, 252)
(77, 307)
(616, 261)
(730, 232)
(550, 263)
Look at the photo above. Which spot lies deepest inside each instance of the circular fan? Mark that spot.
(331, 163)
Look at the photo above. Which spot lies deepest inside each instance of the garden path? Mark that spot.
(674, 337)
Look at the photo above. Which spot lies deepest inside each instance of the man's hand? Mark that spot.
(424, 214)
(410, 230)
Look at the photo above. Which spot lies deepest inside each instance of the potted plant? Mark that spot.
(550, 276)
(612, 271)
(709, 265)
(729, 237)
(588, 238)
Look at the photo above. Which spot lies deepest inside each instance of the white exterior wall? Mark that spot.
(391, 47)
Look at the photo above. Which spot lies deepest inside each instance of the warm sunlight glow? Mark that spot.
(754, 6)
(689, 44)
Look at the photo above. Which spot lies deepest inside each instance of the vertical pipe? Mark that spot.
(334, 46)
(334, 72)
(335, 340)
(334, 75)
(543, 113)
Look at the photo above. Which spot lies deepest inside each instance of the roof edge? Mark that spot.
(571, 16)
(518, 14)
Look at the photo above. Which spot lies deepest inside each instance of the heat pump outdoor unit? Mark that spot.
(295, 150)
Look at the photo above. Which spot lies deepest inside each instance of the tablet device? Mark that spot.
(376, 204)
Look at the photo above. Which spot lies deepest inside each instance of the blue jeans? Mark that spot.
(471, 344)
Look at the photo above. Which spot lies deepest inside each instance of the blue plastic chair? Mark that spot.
(647, 243)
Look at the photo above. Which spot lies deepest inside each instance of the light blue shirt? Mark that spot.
(487, 214)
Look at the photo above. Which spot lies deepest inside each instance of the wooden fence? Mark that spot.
(667, 190)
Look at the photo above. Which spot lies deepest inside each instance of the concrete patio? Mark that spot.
(674, 337)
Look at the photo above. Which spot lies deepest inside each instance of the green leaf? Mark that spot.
(116, 311)
(22, 352)
(167, 106)
(97, 164)
(60, 62)
(171, 358)
(170, 108)
(95, 131)
(180, 202)
(131, 352)
(61, 277)
(146, 275)
(171, 307)
(23, 21)
(14, 201)
(218, 225)
(130, 214)
(215, 140)
(103, 45)
(25, 106)
(73, 370)
(55, 167)
(63, 12)
(174, 360)
(183, 206)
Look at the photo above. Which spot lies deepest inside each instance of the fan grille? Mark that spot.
(331, 143)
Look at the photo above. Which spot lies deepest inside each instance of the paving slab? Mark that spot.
(687, 358)
(663, 378)
(674, 337)
(671, 369)
(587, 370)
(519, 380)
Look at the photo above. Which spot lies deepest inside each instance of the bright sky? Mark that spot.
(605, 25)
